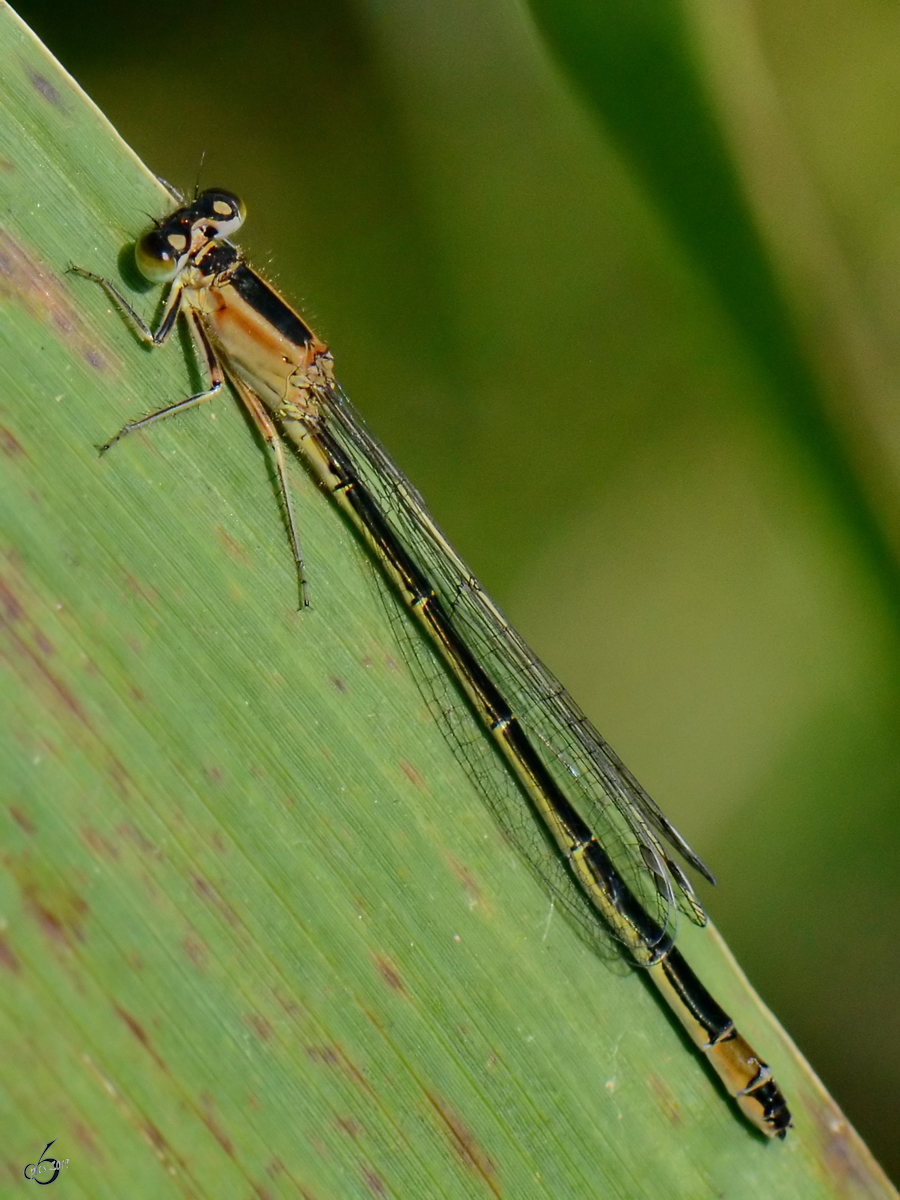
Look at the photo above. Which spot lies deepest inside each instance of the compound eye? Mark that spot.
(223, 212)
(161, 254)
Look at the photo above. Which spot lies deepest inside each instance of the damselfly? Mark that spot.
(610, 836)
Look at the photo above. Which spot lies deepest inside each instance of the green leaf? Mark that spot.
(260, 935)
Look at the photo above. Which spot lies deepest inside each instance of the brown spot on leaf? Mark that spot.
(412, 775)
(235, 549)
(21, 635)
(464, 1143)
(334, 1056)
(154, 1136)
(373, 1180)
(85, 1138)
(219, 903)
(259, 1025)
(57, 908)
(138, 1031)
(22, 819)
(210, 1120)
(38, 290)
(45, 88)
(467, 879)
(196, 950)
(156, 1139)
(131, 833)
(10, 444)
(134, 1025)
(349, 1126)
(666, 1098)
(143, 591)
(322, 1054)
(12, 609)
(288, 1003)
(389, 973)
(8, 960)
(121, 780)
(101, 847)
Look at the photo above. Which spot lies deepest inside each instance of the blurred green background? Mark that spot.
(618, 286)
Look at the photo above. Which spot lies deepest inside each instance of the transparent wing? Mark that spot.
(489, 772)
(629, 825)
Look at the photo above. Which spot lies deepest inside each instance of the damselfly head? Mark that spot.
(162, 252)
(221, 212)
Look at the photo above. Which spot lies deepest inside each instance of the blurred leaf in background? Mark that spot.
(617, 285)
